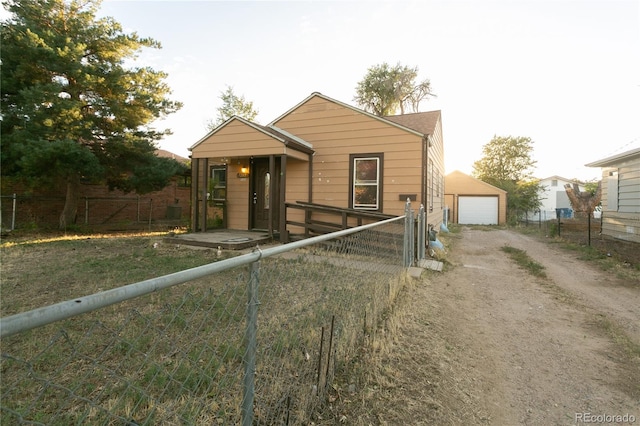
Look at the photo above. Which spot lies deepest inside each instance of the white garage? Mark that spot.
(478, 210)
(471, 201)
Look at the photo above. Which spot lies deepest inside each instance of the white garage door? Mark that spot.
(478, 210)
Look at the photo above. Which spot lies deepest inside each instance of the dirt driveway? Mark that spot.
(488, 343)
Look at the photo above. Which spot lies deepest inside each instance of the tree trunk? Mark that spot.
(70, 210)
(583, 203)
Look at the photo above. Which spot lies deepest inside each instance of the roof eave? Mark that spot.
(246, 122)
(605, 162)
(302, 148)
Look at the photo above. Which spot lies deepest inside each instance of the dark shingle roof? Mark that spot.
(423, 122)
(167, 154)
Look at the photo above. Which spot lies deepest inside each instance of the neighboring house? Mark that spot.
(168, 154)
(473, 202)
(621, 195)
(322, 152)
(553, 196)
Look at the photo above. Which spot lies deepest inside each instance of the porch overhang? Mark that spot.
(239, 138)
(228, 155)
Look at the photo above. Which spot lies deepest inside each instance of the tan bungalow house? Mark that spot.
(322, 164)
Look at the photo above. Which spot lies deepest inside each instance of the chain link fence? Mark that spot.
(580, 228)
(116, 213)
(583, 230)
(254, 339)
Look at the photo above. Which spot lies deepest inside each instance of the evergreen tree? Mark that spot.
(71, 110)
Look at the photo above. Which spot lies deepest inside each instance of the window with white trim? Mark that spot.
(366, 181)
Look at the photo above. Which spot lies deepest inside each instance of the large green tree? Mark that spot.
(385, 89)
(232, 104)
(71, 109)
(507, 164)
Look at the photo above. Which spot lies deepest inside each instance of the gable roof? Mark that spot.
(615, 159)
(563, 179)
(386, 120)
(466, 176)
(277, 134)
(424, 122)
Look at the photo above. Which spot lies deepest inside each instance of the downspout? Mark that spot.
(423, 181)
(424, 189)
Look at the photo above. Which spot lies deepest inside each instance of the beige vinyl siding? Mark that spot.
(436, 154)
(623, 226)
(609, 189)
(292, 153)
(236, 139)
(336, 132)
(629, 189)
(237, 199)
(297, 189)
(622, 219)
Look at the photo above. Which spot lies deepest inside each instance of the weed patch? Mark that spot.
(524, 261)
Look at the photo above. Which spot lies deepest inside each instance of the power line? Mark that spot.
(624, 147)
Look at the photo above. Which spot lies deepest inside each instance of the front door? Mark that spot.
(265, 197)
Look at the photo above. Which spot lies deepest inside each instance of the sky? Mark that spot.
(565, 73)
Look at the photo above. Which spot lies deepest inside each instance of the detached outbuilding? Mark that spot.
(474, 202)
(621, 195)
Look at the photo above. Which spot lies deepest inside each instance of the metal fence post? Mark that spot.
(412, 238)
(589, 228)
(251, 332)
(408, 235)
(421, 232)
(13, 212)
(150, 211)
(86, 210)
(405, 237)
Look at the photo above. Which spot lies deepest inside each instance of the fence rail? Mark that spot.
(582, 228)
(254, 339)
(26, 211)
(313, 226)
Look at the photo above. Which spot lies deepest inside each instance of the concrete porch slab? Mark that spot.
(225, 239)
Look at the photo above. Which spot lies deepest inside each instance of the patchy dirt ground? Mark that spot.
(485, 342)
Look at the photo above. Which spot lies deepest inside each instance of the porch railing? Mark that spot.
(314, 226)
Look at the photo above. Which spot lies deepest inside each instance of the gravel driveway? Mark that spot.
(486, 342)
